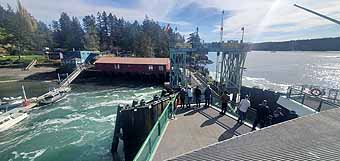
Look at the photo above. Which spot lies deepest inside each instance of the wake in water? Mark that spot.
(79, 127)
(261, 83)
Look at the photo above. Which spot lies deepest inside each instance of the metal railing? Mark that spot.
(149, 146)
(232, 108)
(314, 102)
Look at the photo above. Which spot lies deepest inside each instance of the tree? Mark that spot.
(42, 37)
(91, 39)
(106, 32)
(77, 36)
(5, 39)
(102, 28)
(65, 31)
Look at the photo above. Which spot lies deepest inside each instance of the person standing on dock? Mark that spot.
(262, 113)
(189, 94)
(182, 94)
(198, 94)
(243, 108)
(225, 99)
(207, 96)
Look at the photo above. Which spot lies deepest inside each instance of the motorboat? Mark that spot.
(12, 117)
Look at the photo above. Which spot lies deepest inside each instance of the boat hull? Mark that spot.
(12, 122)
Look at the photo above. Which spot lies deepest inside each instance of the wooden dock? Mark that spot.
(196, 128)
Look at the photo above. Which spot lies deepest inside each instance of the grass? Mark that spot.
(10, 59)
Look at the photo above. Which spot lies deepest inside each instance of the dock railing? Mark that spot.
(148, 148)
(314, 102)
(232, 107)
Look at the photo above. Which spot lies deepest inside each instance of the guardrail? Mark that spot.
(149, 146)
(316, 103)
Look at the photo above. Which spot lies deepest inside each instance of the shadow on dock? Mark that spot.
(196, 128)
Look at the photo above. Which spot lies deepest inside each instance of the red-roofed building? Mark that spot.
(133, 65)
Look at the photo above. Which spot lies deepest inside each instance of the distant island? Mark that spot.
(323, 44)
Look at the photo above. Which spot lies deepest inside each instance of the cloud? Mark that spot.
(263, 17)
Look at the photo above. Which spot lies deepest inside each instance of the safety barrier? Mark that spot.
(314, 102)
(146, 151)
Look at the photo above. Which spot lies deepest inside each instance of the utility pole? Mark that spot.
(221, 43)
(242, 35)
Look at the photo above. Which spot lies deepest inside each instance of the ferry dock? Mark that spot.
(197, 133)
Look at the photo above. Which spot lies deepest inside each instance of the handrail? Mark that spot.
(319, 102)
(149, 145)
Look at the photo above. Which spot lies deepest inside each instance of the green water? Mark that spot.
(79, 127)
(32, 88)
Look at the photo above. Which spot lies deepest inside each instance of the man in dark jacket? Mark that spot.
(262, 113)
(207, 96)
(225, 99)
(182, 94)
(198, 94)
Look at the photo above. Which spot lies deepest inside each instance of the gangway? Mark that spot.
(29, 66)
(70, 78)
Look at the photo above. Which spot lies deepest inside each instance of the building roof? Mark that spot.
(313, 137)
(130, 60)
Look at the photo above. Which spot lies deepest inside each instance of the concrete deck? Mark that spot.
(193, 129)
(312, 137)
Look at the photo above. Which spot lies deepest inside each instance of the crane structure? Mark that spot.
(231, 69)
(318, 14)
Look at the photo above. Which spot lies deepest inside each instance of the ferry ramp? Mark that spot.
(196, 128)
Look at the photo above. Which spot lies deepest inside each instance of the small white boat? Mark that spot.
(52, 98)
(12, 117)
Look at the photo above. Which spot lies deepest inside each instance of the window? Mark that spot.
(161, 68)
(116, 66)
(150, 67)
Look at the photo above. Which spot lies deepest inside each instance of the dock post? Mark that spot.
(59, 78)
(116, 133)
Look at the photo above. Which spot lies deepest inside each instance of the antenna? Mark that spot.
(221, 43)
(222, 24)
(242, 34)
(319, 14)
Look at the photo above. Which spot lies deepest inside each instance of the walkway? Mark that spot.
(66, 82)
(313, 137)
(193, 129)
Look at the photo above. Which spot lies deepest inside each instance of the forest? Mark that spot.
(22, 33)
(324, 44)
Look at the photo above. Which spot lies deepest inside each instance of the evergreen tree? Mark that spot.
(65, 31)
(42, 37)
(91, 39)
(102, 27)
(106, 32)
(77, 36)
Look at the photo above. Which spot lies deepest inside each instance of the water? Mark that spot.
(279, 70)
(79, 127)
(32, 88)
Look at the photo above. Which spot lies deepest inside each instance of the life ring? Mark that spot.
(316, 92)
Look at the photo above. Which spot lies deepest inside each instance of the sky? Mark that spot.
(263, 20)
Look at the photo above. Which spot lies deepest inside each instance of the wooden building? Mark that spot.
(133, 65)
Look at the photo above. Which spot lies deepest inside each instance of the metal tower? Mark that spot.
(178, 68)
(232, 66)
